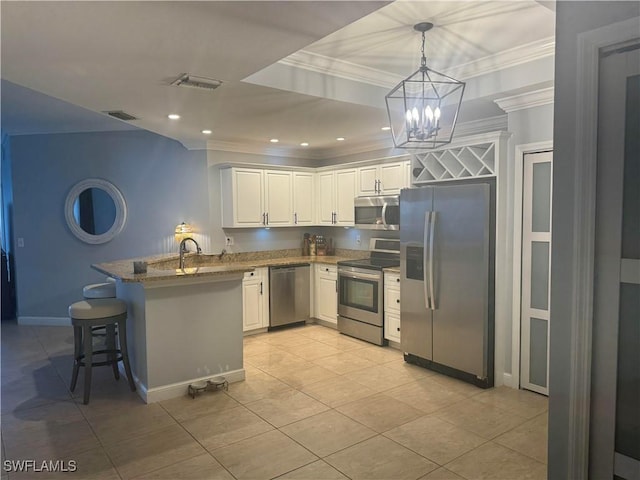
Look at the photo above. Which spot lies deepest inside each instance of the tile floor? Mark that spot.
(315, 405)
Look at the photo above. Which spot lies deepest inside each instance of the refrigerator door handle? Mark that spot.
(432, 241)
(427, 223)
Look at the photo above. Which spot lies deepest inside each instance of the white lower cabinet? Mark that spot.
(392, 307)
(326, 293)
(255, 299)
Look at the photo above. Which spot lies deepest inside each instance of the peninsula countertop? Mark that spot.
(165, 267)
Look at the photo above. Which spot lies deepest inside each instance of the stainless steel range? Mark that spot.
(360, 291)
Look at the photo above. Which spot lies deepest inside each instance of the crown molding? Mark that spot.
(536, 98)
(512, 57)
(314, 62)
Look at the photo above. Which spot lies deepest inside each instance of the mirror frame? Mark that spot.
(118, 200)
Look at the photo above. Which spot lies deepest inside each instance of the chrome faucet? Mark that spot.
(183, 250)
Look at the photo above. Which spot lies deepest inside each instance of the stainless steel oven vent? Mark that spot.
(120, 115)
(192, 81)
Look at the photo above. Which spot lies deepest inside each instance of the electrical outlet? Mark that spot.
(228, 241)
(20, 242)
(358, 239)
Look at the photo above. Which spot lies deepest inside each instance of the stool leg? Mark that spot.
(122, 336)
(77, 351)
(111, 345)
(88, 360)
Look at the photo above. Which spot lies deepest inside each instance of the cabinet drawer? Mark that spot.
(251, 275)
(392, 300)
(392, 280)
(392, 327)
(326, 269)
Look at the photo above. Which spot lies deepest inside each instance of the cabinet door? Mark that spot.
(303, 188)
(327, 298)
(278, 194)
(247, 197)
(325, 200)
(252, 302)
(368, 181)
(345, 194)
(392, 178)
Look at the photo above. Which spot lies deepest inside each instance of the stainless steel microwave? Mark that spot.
(377, 213)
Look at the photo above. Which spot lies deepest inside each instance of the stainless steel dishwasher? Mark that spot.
(289, 289)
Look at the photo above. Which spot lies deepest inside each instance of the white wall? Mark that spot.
(572, 18)
(162, 183)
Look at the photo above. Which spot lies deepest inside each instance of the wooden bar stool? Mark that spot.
(90, 313)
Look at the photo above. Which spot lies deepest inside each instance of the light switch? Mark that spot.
(20, 242)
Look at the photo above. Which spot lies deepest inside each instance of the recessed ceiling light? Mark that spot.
(304, 144)
(385, 128)
(206, 132)
(274, 140)
(174, 116)
(340, 139)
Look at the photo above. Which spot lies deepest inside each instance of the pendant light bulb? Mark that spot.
(429, 113)
(436, 114)
(415, 115)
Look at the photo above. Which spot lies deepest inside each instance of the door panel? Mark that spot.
(615, 423)
(345, 194)
(536, 268)
(278, 194)
(415, 319)
(461, 277)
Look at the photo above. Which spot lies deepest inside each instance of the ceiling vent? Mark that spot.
(188, 80)
(120, 115)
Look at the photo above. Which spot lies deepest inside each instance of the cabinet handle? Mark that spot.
(260, 288)
(326, 269)
(397, 300)
(398, 280)
(398, 328)
(252, 274)
(267, 214)
(336, 286)
(295, 218)
(263, 218)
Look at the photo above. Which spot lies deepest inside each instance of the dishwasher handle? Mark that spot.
(289, 267)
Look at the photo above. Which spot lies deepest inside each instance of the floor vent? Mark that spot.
(120, 115)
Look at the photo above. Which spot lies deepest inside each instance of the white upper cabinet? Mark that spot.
(242, 197)
(278, 198)
(256, 198)
(385, 179)
(303, 198)
(345, 195)
(336, 192)
(325, 200)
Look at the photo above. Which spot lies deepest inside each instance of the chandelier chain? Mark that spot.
(423, 60)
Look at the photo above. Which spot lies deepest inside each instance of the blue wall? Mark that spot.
(163, 184)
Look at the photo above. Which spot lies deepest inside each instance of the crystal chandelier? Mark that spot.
(423, 108)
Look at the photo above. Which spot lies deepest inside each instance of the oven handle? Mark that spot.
(384, 215)
(364, 276)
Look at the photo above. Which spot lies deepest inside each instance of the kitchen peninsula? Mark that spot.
(185, 325)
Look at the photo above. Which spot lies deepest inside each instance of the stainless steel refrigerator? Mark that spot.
(447, 279)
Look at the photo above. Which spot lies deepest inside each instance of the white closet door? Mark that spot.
(536, 271)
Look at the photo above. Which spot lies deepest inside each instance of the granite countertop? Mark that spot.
(392, 270)
(165, 267)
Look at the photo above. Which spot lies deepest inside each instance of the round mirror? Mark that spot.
(95, 211)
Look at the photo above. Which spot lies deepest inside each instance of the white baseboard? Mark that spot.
(45, 321)
(166, 392)
(507, 380)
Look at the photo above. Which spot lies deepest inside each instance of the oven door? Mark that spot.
(360, 295)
